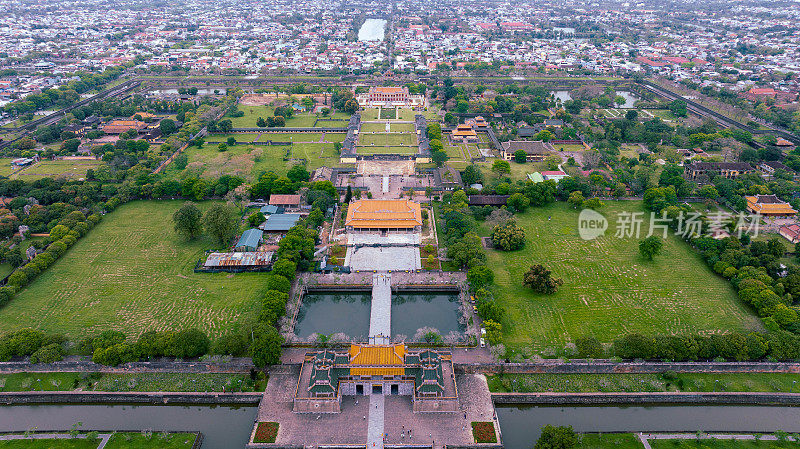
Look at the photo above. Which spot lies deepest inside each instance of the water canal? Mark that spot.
(520, 425)
(223, 427)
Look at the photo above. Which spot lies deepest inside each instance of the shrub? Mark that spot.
(280, 283)
(483, 432)
(266, 432)
(48, 354)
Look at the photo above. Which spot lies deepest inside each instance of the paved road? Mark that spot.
(375, 425)
(380, 318)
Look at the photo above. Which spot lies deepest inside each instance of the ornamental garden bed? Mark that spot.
(483, 432)
(266, 432)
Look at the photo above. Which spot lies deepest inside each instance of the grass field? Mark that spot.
(381, 127)
(132, 273)
(609, 441)
(250, 162)
(301, 120)
(129, 382)
(385, 150)
(386, 139)
(721, 444)
(54, 169)
(609, 290)
(130, 440)
(5, 166)
(53, 444)
(686, 382)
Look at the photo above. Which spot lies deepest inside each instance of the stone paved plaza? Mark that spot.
(369, 258)
(350, 427)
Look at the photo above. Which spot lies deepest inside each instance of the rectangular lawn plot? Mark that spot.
(239, 160)
(609, 289)
(386, 150)
(57, 168)
(387, 139)
(132, 273)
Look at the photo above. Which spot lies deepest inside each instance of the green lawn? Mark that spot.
(66, 168)
(241, 160)
(386, 150)
(387, 139)
(609, 290)
(381, 127)
(130, 440)
(687, 382)
(609, 441)
(129, 382)
(133, 273)
(301, 120)
(720, 444)
(68, 443)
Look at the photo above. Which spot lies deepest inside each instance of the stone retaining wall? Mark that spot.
(646, 398)
(608, 367)
(157, 398)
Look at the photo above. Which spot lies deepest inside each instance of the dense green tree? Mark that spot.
(541, 280)
(650, 247)
(188, 220)
(220, 222)
(508, 236)
(557, 437)
(266, 347)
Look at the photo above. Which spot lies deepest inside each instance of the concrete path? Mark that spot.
(380, 318)
(375, 425)
(104, 437)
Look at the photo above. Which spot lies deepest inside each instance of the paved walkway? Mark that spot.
(375, 425)
(380, 317)
(644, 437)
(104, 437)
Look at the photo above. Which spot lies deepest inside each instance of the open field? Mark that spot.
(251, 162)
(685, 382)
(278, 137)
(381, 127)
(387, 139)
(129, 382)
(385, 150)
(609, 290)
(54, 169)
(298, 120)
(132, 273)
(130, 440)
(720, 444)
(68, 443)
(609, 441)
(5, 166)
(369, 114)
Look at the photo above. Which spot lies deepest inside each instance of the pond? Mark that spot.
(223, 427)
(413, 311)
(520, 426)
(334, 312)
(372, 30)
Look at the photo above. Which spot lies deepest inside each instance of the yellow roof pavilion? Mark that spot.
(377, 360)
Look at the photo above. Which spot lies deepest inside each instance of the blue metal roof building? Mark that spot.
(280, 222)
(249, 240)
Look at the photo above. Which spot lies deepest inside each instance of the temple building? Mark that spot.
(384, 216)
(390, 97)
(327, 375)
(769, 205)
